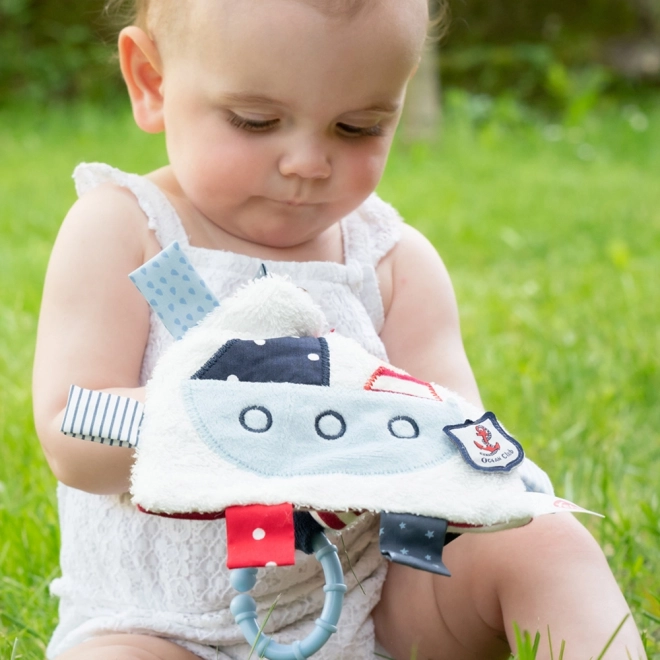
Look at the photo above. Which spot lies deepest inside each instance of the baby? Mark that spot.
(278, 117)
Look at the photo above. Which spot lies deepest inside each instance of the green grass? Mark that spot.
(552, 236)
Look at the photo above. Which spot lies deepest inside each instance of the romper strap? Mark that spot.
(163, 220)
(369, 234)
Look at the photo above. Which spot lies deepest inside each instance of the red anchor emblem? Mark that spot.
(485, 435)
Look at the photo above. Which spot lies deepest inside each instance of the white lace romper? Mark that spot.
(128, 572)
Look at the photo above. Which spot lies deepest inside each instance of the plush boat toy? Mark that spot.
(263, 415)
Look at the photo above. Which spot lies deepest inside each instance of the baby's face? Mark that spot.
(279, 118)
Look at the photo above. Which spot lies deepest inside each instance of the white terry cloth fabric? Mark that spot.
(195, 437)
(125, 571)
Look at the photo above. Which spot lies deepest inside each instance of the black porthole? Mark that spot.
(330, 425)
(256, 419)
(403, 427)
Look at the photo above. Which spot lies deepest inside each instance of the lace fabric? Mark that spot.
(124, 571)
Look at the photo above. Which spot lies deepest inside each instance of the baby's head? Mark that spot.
(278, 114)
(159, 16)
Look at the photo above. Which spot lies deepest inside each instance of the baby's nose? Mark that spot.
(307, 159)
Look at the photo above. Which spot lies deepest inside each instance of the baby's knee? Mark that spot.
(114, 652)
(432, 616)
(544, 556)
(554, 537)
(127, 647)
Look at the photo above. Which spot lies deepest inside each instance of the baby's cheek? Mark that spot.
(220, 169)
(365, 172)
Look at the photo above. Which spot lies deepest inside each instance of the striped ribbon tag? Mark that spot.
(102, 417)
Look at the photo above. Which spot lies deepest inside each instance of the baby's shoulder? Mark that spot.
(376, 211)
(108, 213)
(372, 230)
(108, 210)
(407, 257)
(108, 197)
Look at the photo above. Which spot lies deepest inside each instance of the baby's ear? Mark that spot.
(142, 69)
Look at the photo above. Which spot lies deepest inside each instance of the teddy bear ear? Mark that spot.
(174, 290)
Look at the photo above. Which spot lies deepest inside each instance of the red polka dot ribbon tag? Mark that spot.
(259, 535)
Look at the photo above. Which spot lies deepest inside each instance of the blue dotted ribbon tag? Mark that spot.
(174, 289)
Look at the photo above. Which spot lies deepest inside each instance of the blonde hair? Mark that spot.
(165, 16)
(136, 12)
(438, 20)
(126, 12)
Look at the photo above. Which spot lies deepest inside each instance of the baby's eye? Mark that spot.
(251, 125)
(360, 131)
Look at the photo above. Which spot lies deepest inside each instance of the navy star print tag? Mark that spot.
(415, 541)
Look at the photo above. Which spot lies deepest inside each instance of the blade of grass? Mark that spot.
(413, 655)
(519, 638)
(537, 641)
(648, 615)
(562, 649)
(611, 639)
(526, 649)
(21, 625)
(263, 625)
(350, 565)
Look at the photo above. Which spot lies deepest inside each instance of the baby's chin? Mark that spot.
(262, 223)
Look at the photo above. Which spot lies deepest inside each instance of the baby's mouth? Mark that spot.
(294, 202)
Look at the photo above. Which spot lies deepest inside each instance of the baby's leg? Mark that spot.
(549, 574)
(127, 647)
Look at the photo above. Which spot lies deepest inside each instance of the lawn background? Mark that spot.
(551, 233)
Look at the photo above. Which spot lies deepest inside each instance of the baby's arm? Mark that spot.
(422, 332)
(471, 614)
(93, 329)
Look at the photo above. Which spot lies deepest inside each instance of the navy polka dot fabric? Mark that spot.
(302, 360)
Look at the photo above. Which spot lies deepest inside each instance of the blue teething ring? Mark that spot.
(244, 608)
